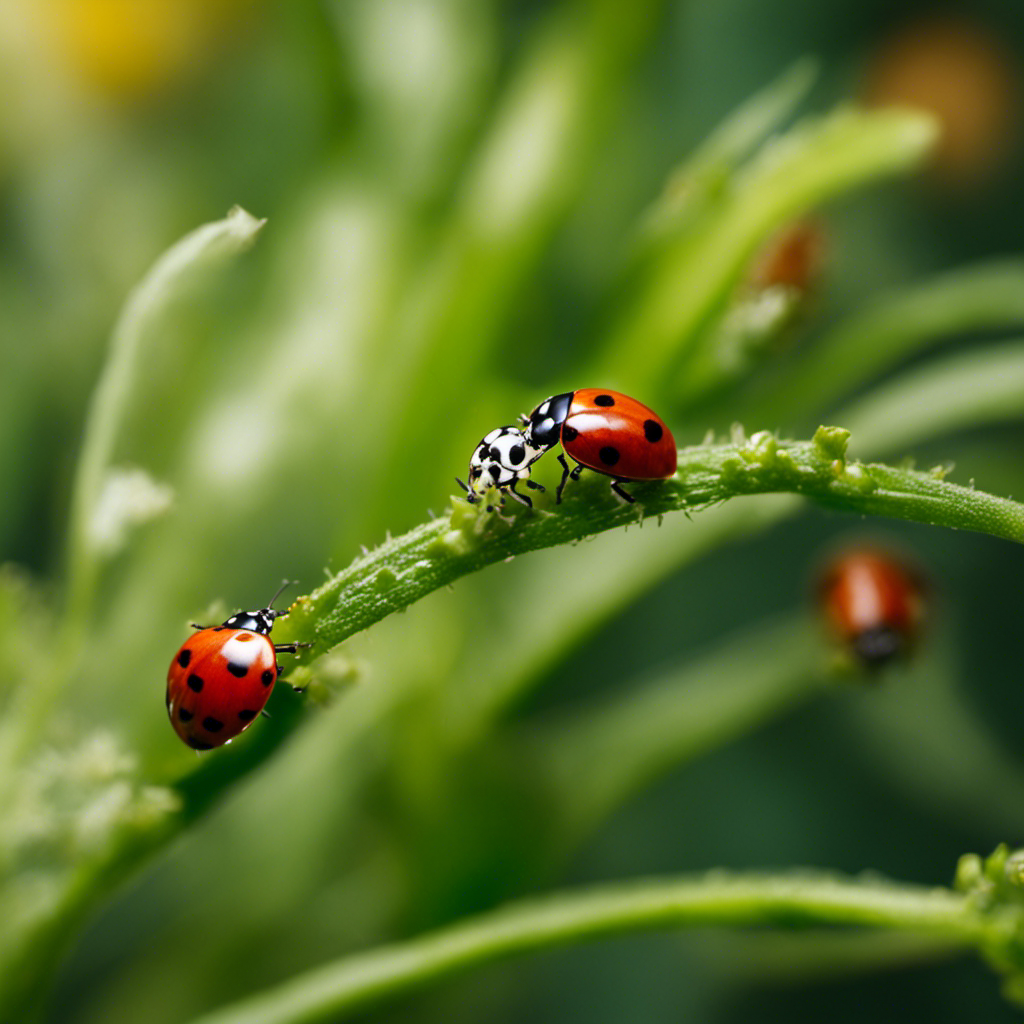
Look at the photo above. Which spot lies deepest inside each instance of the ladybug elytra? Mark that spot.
(222, 676)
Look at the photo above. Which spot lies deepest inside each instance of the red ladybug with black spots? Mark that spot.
(222, 676)
(873, 602)
(599, 429)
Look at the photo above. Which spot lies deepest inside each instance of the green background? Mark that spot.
(298, 413)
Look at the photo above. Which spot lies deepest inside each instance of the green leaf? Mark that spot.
(177, 270)
(963, 390)
(815, 161)
(652, 725)
(703, 175)
(890, 330)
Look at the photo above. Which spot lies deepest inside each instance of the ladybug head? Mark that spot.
(500, 459)
(879, 645)
(543, 427)
(262, 620)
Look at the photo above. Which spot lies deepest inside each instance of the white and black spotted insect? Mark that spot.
(598, 429)
(500, 461)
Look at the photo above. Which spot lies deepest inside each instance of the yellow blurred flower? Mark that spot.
(959, 69)
(133, 48)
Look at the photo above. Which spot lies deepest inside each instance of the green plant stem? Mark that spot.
(433, 555)
(716, 899)
(163, 284)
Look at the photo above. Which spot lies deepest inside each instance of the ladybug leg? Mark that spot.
(290, 648)
(619, 492)
(536, 486)
(567, 474)
(496, 509)
(523, 499)
(561, 483)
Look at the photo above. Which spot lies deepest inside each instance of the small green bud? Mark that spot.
(831, 442)
(969, 873)
(384, 579)
(995, 863)
(451, 543)
(1013, 869)
(857, 476)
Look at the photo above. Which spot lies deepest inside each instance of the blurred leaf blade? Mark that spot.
(813, 162)
(956, 392)
(986, 297)
(678, 715)
(175, 271)
(697, 179)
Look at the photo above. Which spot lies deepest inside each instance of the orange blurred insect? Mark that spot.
(873, 603)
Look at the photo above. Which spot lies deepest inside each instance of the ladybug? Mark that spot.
(873, 603)
(222, 676)
(599, 429)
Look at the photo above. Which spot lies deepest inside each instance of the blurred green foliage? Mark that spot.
(470, 206)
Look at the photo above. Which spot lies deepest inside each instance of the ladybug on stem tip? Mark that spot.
(222, 676)
(599, 429)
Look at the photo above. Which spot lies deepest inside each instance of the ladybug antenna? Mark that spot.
(270, 606)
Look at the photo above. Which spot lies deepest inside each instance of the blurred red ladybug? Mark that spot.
(222, 676)
(873, 603)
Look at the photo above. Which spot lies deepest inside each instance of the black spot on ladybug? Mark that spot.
(185, 715)
(653, 431)
(495, 453)
(184, 657)
(237, 670)
(494, 470)
(268, 677)
(604, 400)
(195, 683)
(211, 724)
(608, 455)
(198, 744)
(516, 454)
(569, 433)
(247, 714)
